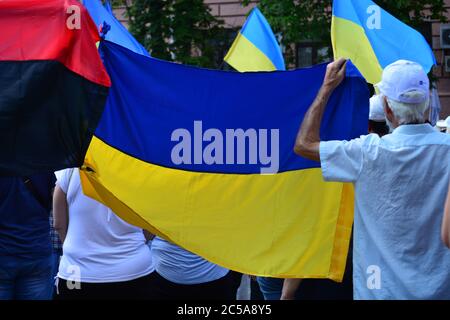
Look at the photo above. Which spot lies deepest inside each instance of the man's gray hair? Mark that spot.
(409, 113)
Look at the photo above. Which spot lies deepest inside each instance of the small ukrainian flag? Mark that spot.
(255, 48)
(372, 38)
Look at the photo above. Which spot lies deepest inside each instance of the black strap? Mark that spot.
(32, 189)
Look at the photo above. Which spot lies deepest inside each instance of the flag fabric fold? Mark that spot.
(255, 48)
(372, 38)
(51, 99)
(179, 151)
(118, 33)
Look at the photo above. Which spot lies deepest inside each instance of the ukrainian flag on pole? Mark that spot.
(118, 33)
(372, 38)
(255, 48)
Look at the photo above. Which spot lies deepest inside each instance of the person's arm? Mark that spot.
(446, 221)
(290, 287)
(308, 138)
(60, 213)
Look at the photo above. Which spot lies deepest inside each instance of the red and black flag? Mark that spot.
(53, 86)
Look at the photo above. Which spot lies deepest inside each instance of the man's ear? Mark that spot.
(388, 111)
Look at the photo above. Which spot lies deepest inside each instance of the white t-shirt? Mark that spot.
(99, 246)
(181, 266)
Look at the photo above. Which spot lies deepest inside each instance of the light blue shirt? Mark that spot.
(400, 188)
(181, 266)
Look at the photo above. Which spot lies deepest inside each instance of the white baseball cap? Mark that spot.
(376, 112)
(444, 123)
(405, 81)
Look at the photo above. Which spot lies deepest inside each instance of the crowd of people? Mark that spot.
(57, 243)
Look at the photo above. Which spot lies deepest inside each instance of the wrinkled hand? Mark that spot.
(335, 74)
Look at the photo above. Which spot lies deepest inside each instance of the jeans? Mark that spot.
(25, 278)
(271, 288)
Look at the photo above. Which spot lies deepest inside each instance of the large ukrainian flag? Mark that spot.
(255, 48)
(372, 38)
(287, 224)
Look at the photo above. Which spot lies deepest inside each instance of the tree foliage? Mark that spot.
(176, 30)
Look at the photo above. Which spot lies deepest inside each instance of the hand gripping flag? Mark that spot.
(255, 48)
(204, 159)
(54, 85)
(372, 38)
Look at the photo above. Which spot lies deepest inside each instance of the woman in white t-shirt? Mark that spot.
(103, 256)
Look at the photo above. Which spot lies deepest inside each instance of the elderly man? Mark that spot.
(400, 185)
